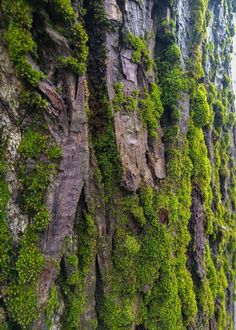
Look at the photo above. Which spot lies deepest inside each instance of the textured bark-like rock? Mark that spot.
(141, 202)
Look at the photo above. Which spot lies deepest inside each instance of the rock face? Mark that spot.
(117, 165)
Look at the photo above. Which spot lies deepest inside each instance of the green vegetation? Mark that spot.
(151, 109)
(52, 306)
(22, 293)
(20, 42)
(78, 265)
(151, 278)
(5, 236)
(201, 111)
(120, 102)
(141, 55)
(149, 105)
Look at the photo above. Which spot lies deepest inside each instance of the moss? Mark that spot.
(220, 114)
(173, 54)
(122, 102)
(141, 54)
(19, 39)
(72, 64)
(149, 105)
(33, 101)
(29, 264)
(151, 109)
(22, 304)
(79, 266)
(198, 12)
(77, 37)
(205, 300)
(22, 294)
(64, 8)
(52, 306)
(35, 184)
(33, 144)
(201, 170)
(168, 31)
(186, 293)
(211, 272)
(200, 109)
(132, 206)
(172, 82)
(5, 236)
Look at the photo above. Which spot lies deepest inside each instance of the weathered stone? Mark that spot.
(132, 144)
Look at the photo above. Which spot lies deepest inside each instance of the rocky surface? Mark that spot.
(139, 194)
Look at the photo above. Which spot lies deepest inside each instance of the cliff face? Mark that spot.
(117, 164)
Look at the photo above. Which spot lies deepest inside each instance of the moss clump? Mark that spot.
(201, 112)
(76, 36)
(52, 306)
(22, 295)
(35, 184)
(5, 236)
(79, 264)
(211, 272)
(201, 170)
(34, 144)
(33, 101)
(29, 263)
(172, 83)
(22, 304)
(141, 54)
(198, 16)
(149, 105)
(219, 114)
(19, 39)
(173, 54)
(151, 109)
(168, 29)
(121, 102)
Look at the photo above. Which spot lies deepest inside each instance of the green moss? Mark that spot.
(33, 144)
(79, 266)
(172, 82)
(220, 114)
(211, 272)
(151, 109)
(5, 236)
(198, 12)
(200, 109)
(41, 219)
(141, 54)
(149, 106)
(22, 294)
(132, 206)
(122, 102)
(205, 300)
(52, 306)
(64, 8)
(72, 64)
(77, 37)
(186, 292)
(33, 101)
(22, 304)
(108, 158)
(168, 30)
(201, 170)
(18, 15)
(35, 184)
(29, 264)
(173, 54)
